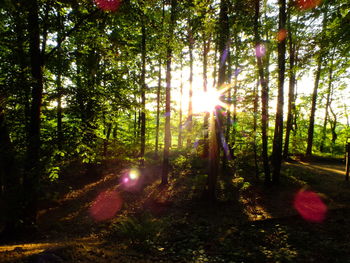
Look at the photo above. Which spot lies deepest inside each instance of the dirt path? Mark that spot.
(68, 223)
(332, 169)
(326, 178)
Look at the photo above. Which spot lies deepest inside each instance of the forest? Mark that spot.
(174, 131)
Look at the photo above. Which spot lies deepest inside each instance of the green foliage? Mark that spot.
(181, 162)
(54, 173)
(138, 232)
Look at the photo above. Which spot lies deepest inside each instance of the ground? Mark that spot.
(249, 223)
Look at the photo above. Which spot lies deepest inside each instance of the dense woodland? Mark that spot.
(90, 83)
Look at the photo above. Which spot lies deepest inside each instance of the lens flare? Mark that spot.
(308, 4)
(207, 101)
(108, 5)
(281, 35)
(310, 206)
(224, 56)
(134, 174)
(105, 206)
(237, 71)
(131, 179)
(260, 50)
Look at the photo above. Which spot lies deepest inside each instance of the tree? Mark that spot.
(158, 105)
(190, 95)
(292, 79)
(264, 94)
(328, 102)
(32, 175)
(214, 128)
(179, 140)
(143, 92)
(278, 135)
(167, 137)
(319, 59)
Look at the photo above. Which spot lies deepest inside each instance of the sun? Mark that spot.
(206, 101)
(202, 102)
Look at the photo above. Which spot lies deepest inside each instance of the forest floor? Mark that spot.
(249, 223)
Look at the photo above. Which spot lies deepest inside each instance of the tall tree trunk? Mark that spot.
(264, 96)
(278, 135)
(59, 84)
(159, 86)
(143, 94)
(167, 132)
(313, 108)
(214, 149)
(179, 140)
(333, 124)
(135, 125)
(226, 153)
(328, 102)
(255, 127)
(235, 100)
(310, 133)
(158, 106)
(206, 47)
(215, 71)
(291, 99)
(189, 119)
(33, 171)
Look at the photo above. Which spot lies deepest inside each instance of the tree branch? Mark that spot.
(71, 31)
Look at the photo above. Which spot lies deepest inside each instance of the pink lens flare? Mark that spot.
(105, 206)
(108, 5)
(281, 35)
(308, 4)
(131, 179)
(310, 206)
(260, 50)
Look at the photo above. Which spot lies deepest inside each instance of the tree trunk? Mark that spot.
(255, 126)
(189, 119)
(179, 141)
(143, 94)
(235, 92)
(333, 124)
(315, 91)
(291, 99)
(328, 102)
(33, 171)
(159, 87)
(278, 135)
(226, 128)
(215, 71)
(214, 149)
(313, 109)
(206, 47)
(59, 84)
(264, 96)
(167, 132)
(158, 106)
